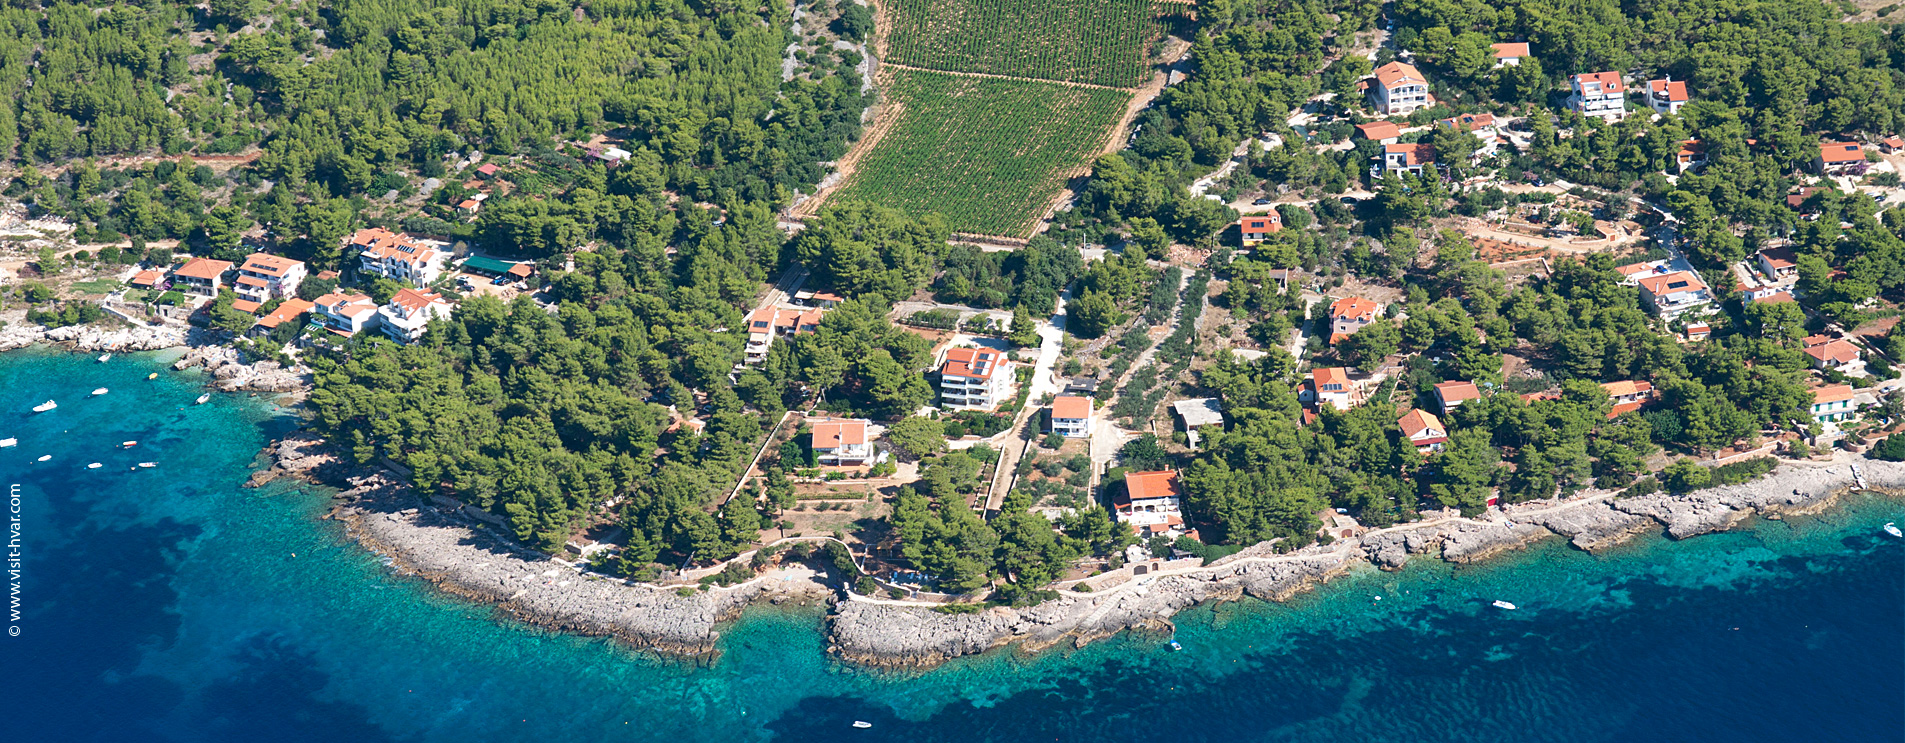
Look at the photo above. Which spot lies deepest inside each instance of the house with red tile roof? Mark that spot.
(841, 442)
(1424, 431)
(1071, 416)
(486, 171)
(1259, 227)
(1151, 502)
(1452, 394)
(1666, 96)
(288, 311)
(1599, 95)
(1400, 89)
(1350, 314)
(1838, 157)
(1779, 262)
(201, 276)
(345, 314)
(1332, 386)
(1674, 294)
(409, 312)
(974, 379)
(1381, 132)
(397, 256)
(147, 279)
(1692, 154)
(768, 323)
(1509, 54)
(264, 277)
(1628, 395)
(1837, 354)
(1409, 158)
(1833, 403)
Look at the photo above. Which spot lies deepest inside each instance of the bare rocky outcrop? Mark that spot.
(230, 372)
(1465, 542)
(90, 338)
(1592, 526)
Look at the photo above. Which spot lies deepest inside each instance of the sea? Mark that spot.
(171, 604)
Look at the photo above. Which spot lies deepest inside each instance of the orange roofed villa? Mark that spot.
(841, 442)
(265, 277)
(1152, 503)
(394, 255)
(768, 323)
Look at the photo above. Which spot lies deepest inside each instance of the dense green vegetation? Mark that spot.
(1103, 42)
(987, 153)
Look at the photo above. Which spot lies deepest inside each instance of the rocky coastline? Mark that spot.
(205, 349)
(444, 544)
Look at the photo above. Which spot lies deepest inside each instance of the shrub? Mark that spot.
(1052, 441)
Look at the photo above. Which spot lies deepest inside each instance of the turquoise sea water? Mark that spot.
(167, 604)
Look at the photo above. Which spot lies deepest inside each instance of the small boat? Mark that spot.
(100, 391)
(862, 724)
(1500, 604)
(202, 399)
(128, 444)
(105, 357)
(1174, 646)
(44, 457)
(148, 465)
(1892, 529)
(45, 406)
(154, 375)
(94, 466)
(4, 443)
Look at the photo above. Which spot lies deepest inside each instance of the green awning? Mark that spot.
(488, 265)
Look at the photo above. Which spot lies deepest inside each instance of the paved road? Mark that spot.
(1044, 382)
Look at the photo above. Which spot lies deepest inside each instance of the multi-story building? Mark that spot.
(1071, 416)
(1666, 96)
(1259, 227)
(396, 256)
(1599, 95)
(1409, 158)
(1838, 157)
(1400, 89)
(1152, 503)
(1424, 430)
(1350, 314)
(1674, 294)
(346, 314)
(974, 379)
(201, 276)
(264, 277)
(1332, 387)
(841, 442)
(409, 312)
(767, 323)
(1832, 403)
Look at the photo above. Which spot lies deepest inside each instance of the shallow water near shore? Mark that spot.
(167, 604)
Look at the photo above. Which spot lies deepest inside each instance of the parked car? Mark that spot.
(1260, 202)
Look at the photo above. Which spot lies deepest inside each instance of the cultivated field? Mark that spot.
(1102, 42)
(988, 153)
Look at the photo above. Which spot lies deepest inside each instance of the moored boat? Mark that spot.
(94, 466)
(4, 443)
(128, 444)
(105, 357)
(45, 406)
(862, 724)
(147, 465)
(1892, 529)
(1500, 604)
(202, 399)
(100, 391)
(154, 375)
(44, 457)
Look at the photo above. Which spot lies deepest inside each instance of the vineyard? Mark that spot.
(1103, 42)
(986, 153)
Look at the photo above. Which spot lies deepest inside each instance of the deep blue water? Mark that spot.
(171, 604)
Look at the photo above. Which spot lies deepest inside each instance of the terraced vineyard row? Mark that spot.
(987, 153)
(1103, 42)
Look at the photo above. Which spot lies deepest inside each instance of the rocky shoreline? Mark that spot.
(204, 348)
(448, 547)
(20, 334)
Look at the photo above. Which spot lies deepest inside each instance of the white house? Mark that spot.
(409, 312)
(1674, 294)
(1666, 96)
(1509, 54)
(767, 323)
(1400, 88)
(1409, 158)
(1832, 403)
(974, 379)
(396, 256)
(1424, 430)
(265, 277)
(1152, 503)
(1835, 354)
(1599, 95)
(348, 314)
(1071, 416)
(1452, 394)
(1332, 387)
(841, 443)
(201, 276)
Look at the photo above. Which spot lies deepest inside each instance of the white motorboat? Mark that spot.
(105, 357)
(45, 406)
(94, 466)
(148, 465)
(100, 391)
(128, 444)
(862, 724)
(4, 443)
(202, 399)
(1892, 529)
(44, 457)
(152, 376)
(1499, 604)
